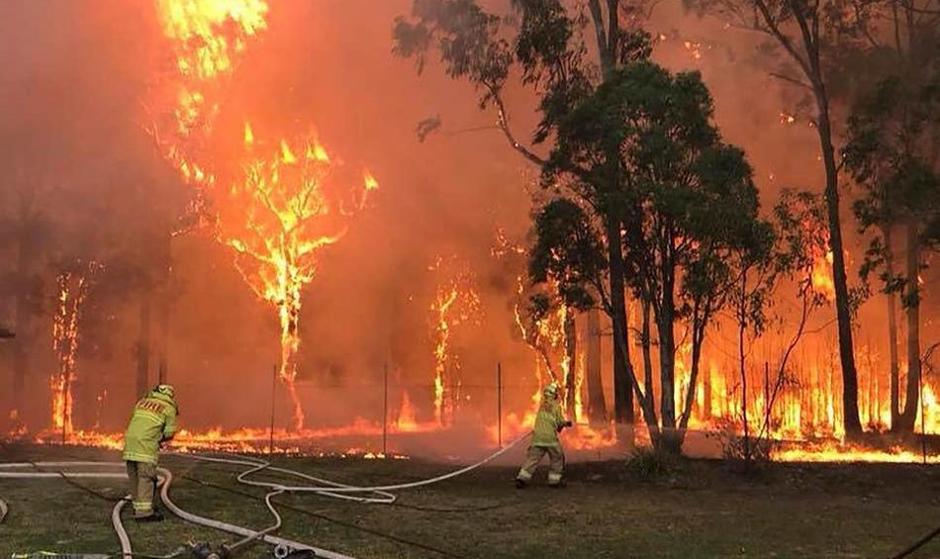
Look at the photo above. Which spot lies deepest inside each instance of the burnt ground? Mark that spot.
(689, 509)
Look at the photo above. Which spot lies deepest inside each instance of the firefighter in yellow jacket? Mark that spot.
(152, 423)
(548, 423)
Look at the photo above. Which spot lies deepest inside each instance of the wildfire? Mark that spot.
(72, 290)
(822, 276)
(277, 214)
(207, 39)
(281, 201)
(455, 302)
(694, 48)
(276, 210)
(406, 422)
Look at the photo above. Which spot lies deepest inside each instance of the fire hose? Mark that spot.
(166, 478)
(283, 546)
(339, 490)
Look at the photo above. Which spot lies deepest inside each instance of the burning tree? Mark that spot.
(283, 206)
(72, 288)
(208, 37)
(281, 203)
(808, 32)
(206, 40)
(548, 47)
(891, 153)
(456, 302)
(686, 199)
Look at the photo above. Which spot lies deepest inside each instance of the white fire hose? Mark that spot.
(283, 546)
(339, 490)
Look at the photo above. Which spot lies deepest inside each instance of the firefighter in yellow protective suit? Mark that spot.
(548, 423)
(152, 423)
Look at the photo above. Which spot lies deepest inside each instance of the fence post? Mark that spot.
(385, 415)
(499, 403)
(273, 397)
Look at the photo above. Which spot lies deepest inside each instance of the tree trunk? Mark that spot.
(892, 302)
(647, 343)
(571, 350)
(648, 404)
(665, 323)
(707, 394)
(143, 344)
(698, 338)
(912, 310)
(623, 369)
(852, 423)
(597, 405)
(742, 364)
(163, 306)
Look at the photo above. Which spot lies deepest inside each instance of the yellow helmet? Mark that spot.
(165, 389)
(551, 390)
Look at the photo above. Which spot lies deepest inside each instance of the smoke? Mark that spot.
(73, 138)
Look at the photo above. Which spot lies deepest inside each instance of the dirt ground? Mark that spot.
(609, 509)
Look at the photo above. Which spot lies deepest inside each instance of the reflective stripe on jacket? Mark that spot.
(153, 420)
(547, 422)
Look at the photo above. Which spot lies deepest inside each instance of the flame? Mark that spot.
(275, 213)
(406, 422)
(72, 290)
(694, 49)
(279, 213)
(822, 276)
(455, 302)
(18, 428)
(207, 39)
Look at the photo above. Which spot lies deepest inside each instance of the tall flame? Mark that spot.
(275, 212)
(277, 215)
(456, 301)
(72, 290)
(207, 38)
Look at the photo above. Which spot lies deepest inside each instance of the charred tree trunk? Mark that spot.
(891, 299)
(853, 425)
(623, 369)
(807, 20)
(742, 364)
(707, 394)
(597, 405)
(667, 354)
(647, 343)
(143, 344)
(665, 323)
(646, 397)
(698, 339)
(912, 310)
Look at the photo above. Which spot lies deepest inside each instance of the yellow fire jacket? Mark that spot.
(547, 423)
(153, 420)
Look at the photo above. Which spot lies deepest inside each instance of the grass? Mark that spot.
(695, 509)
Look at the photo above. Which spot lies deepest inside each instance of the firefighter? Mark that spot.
(152, 423)
(548, 423)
